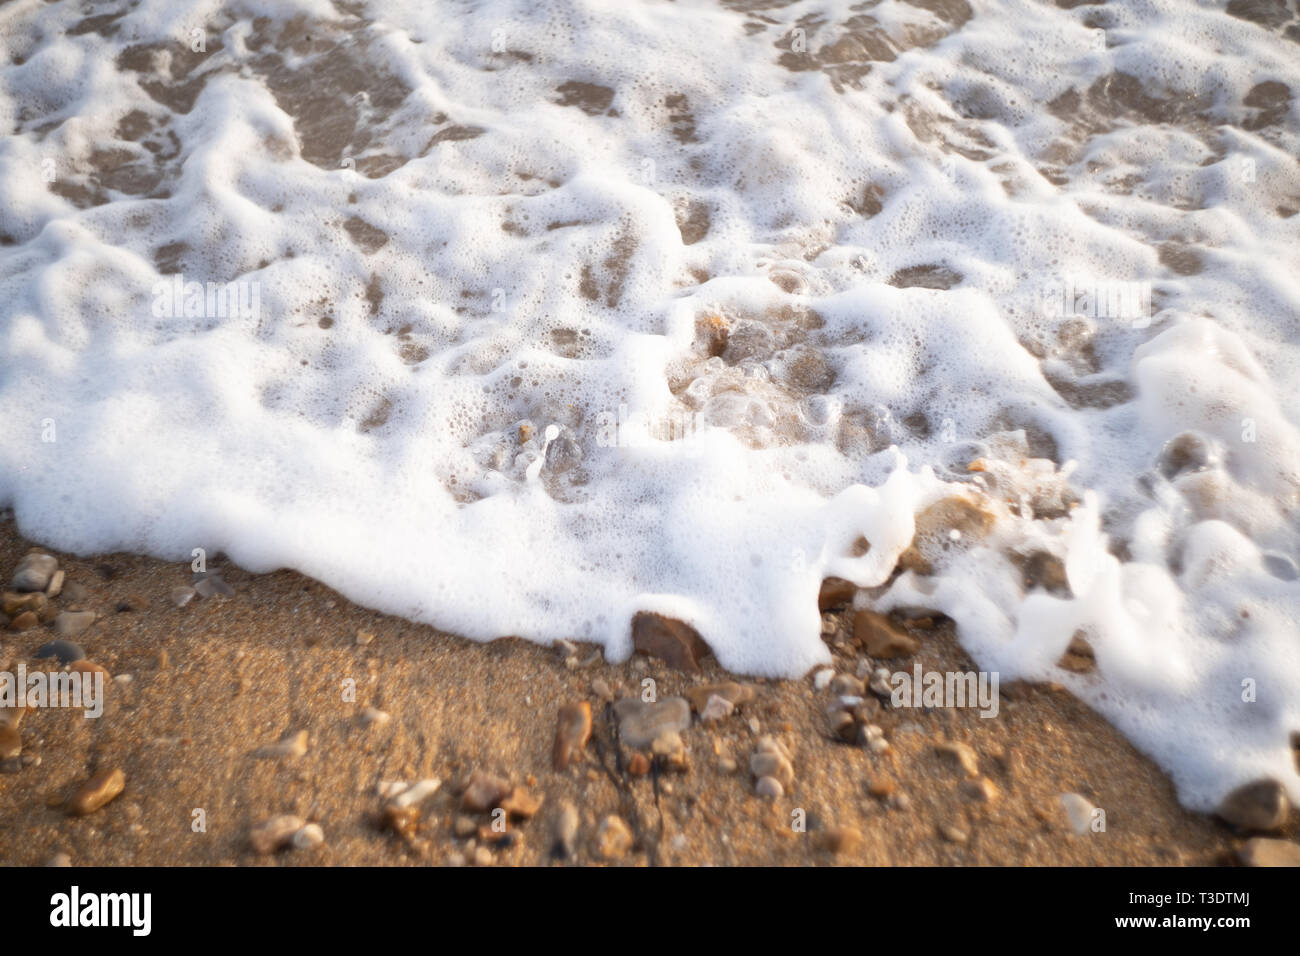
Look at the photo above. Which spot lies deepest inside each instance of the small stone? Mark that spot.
(669, 747)
(24, 621)
(732, 692)
(835, 593)
(982, 789)
(72, 623)
(65, 651)
(74, 595)
(638, 764)
(881, 789)
(840, 841)
(640, 722)
(846, 685)
(89, 667)
(1079, 656)
(373, 717)
(55, 587)
(365, 637)
(34, 572)
(521, 804)
(15, 604)
(613, 838)
(572, 731)
(672, 641)
(1260, 806)
(483, 792)
(880, 685)
(275, 833)
(769, 787)
(309, 837)
(772, 765)
(1078, 812)
(96, 792)
(718, 708)
(417, 793)
(211, 584)
(402, 820)
(962, 755)
(60, 859)
(482, 856)
(292, 746)
(464, 826)
(1261, 851)
(181, 596)
(880, 638)
(727, 765)
(822, 678)
(566, 830)
(953, 834)
(11, 742)
(843, 726)
(602, 689)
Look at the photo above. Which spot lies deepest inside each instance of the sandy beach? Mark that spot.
(199, 690)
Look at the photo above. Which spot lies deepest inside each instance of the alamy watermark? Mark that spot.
(176, 298)
(1099, 299)
(72, 689)
(945, 689)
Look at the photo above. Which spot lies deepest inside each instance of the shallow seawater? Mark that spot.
(520, 318)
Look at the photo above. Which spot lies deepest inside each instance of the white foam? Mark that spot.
(365, 426)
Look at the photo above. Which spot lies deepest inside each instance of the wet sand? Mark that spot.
(217, 679)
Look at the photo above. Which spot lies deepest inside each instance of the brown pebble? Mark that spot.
(89, 667)
(275, 833)
(840, 840)
(638, 765)
(572, 731)
(96, 792)
(880, 638)
(672, 641)
(835, 593)
(24, 621)
(483, 792)
(11, 742)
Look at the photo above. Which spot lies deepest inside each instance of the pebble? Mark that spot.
(482, 856)
(640, 722)
(772, 765)
(74, 594)
(365, 638)
(638, 765)
(953, 834)
(521, 804)
(1261, 851)
(572, 731)
(24, 621)
(404, 797)
(65, 651)
(464, 826)
(669, 746)
(72, 623)
(1259, 806)
(880, 638)
(769, 787)
(732, 692)
(89, 667)
(835, 593)
(15, 604)
(212, 584)
(60, 859)
(96, 792)
(11, 742)
(613, 838)
(34, 572)
(676, 643)
(822, 678)
(847, 685)
(840, 840)
(880, 685)
(181, 596)
(272, 834)
(1078, 811)
(483, 792)
(309, 837)
(373, 717)
(602, 689)
(718, 708)
(292, 746)
(566, 830)
(55, 587)
(962, 755)
(982, 789)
